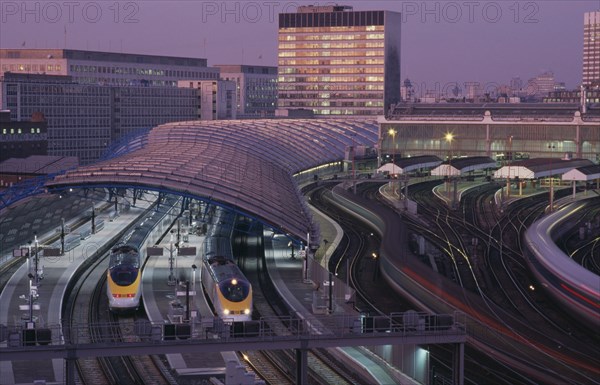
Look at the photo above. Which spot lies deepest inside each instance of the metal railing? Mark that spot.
(207, 330)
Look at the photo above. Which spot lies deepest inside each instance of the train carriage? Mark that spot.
(124, 275)
(123, 278)
(226, 286)
(228, 289)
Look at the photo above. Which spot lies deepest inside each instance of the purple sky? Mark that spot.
(443, 41)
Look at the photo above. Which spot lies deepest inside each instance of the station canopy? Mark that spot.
(405, 165)
(246, 164)
(461, 166)
(38, 164)
(540, 168)
(585, 173)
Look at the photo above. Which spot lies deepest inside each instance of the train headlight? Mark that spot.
(234, 281)
(246, 311)
(226, 311)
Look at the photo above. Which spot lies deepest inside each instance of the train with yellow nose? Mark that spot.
(127, 257)
(227, 287)
(124, 278)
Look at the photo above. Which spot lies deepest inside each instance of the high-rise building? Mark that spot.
(106, 68)
(337, 61)
(591, 49)
(256, 89)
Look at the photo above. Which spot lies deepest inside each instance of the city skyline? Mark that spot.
(442, 42)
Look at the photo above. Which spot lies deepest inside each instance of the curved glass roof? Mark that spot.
(247, 164)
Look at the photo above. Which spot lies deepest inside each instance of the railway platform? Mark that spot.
(47, 299)
(164, 294)
(165, 301)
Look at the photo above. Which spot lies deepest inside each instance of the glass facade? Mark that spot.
(106, 68)
(83, 120)
(256, 89)
(339, 63)
(591, 49)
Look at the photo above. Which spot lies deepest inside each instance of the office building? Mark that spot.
(83, 120)
(93, 99)
(540, 86)
(216, 98)
(591, 49)
(256, 89)
(20, 139)
(106, 68)
(337, 61)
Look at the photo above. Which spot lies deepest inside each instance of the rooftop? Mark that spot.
(247, 165)
(497, 111)
(27, 53)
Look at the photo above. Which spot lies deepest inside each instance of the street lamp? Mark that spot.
(194, 267)
(172, 280)
(36, 258)
(508, 162)
(392, 132)
(449, 137)
(551, 147)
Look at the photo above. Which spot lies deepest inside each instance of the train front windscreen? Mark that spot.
(234, 290)
(124, 265)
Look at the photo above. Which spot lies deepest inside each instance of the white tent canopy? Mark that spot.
(445, 170)
(583, 174)
(540, 168)
(391, 169)
(460, 166)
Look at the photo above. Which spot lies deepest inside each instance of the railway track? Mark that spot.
(545, 350)
(9, 267)
(87, 310)
(276, 367)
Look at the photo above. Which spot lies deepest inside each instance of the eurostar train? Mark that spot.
(226, 286)
(123, 278)
(572, 285)
(127, 257)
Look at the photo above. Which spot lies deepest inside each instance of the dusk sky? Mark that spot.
(443, 41)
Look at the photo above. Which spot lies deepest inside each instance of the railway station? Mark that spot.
(254, 169)
(254, 181)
